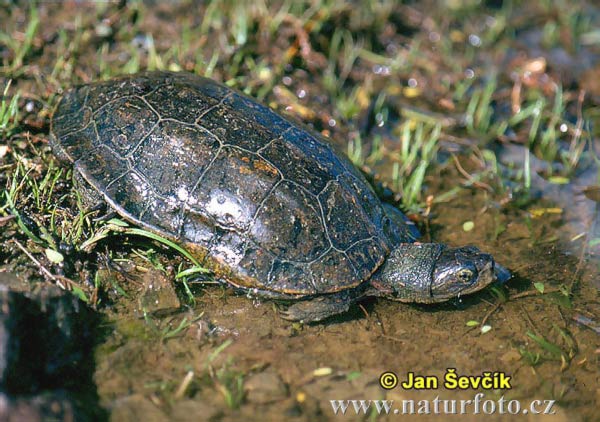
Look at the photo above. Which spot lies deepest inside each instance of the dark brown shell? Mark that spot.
(267, 204)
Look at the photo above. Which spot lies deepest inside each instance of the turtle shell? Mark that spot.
(265, 203)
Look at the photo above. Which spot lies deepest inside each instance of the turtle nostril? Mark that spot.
(501, 273)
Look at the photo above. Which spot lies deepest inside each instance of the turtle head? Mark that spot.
(432, 272)
(460, 271)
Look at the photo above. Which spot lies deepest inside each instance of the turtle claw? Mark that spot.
(289, 315)
(316, 309)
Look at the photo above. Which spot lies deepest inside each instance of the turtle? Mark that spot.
(265, 203)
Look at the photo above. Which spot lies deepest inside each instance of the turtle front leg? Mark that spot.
(92, 200)
(321, 307)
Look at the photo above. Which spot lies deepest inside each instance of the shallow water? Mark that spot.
(299, 368)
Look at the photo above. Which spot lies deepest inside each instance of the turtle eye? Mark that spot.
(464, 275)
